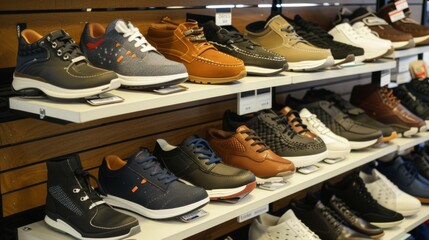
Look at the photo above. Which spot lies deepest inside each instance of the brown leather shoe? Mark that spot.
(245, 150)
(185, 43)
(295, 122)
(382, 105)
(420, 33)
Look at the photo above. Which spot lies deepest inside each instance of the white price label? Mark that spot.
(385, 78)
(223, 17)
(396, 15)
(253, 101)
(255, 212)
(401, 5)
(308, 169)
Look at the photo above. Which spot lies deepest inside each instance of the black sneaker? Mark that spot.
(341, 124)
(322, 220)
(351, 219)
(194, 162)
(319, 37)
(257, 60)
(280, 137)
(421, 159)
(355, 113)
(141, 185)
(353, 192)
(420, 88)
(75, 207)
(412, 102)
(53, 65)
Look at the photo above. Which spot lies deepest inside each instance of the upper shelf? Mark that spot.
(408, 52)
(139, 101)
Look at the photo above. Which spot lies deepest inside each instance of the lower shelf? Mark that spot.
(409, 224)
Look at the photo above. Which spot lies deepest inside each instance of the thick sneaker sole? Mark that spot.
(280, 177)
(147, 82)
(410, 132)
(64, 227)
(386, 224)
(30, 88)
(347, 59)
(362, 144)
(307, 160)
(230, 193)
(154, 213)
(408, 212)
(205, 80)
(311, 65)
(421, 40)
(404, 44)
(375, 54)
(261, 71)
(338, 154)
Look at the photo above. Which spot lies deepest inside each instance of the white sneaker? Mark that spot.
(288, 227)
(364, 31)
(389, 195)
(345, 33)
(338, 147)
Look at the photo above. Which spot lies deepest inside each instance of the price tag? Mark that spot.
(272, 185)
(103, 99)
(170, 89)
(308, 169)
(254, 100)
(192, 216)
(223, 17)
(401, 5)
(385, 78)
(333, 160)
(396, 15)
(256, 212)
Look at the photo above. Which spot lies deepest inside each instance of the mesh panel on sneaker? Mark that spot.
(58, 193)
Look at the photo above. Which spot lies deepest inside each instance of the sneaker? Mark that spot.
(279, 36)
(185, 43)
(245, 150)
(388, 194)
(383, 106)
(365, 32)
(345, 33)
(421, 159)
(139, 184)
(338, 147)
(280, 137)
(294, 120)
(319, 37)
(122, 48)
(358, 135)
(257, 60)
(322, 220)
(286, 227)
(53, 65)
(419, 32)
(195, 163)
(351, 219)
(405, 175)
(419, 88)
(412, 103)
(73, 206)
(353, 192)
(379, 27)
(355, 113)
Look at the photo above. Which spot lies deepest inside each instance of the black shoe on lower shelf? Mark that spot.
(74, 207)
(194, 162)
(353, 192)
(412, 102)
(141, 185)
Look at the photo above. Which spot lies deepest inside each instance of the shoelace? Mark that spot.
(297, 121)
(133, 34)
(362, 191)
(350, 32)
(163, 175)
(333, 219)
(363, 30)
(388, 97)
(251, 135)
(409, 169)
(66, 47)
(201, 146)
(311, 37)
(282, 123)
(292, 36)
(315, 29)
(345, 209)
(90, 193)
(319, 125)
(411, 101)
(235, 37)
(423, 86)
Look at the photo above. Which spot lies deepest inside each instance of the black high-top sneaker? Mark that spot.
(53, 65)
(74, 206)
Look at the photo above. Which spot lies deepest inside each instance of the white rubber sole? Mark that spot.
(404, 44)
(280, 177)
(151, 213)
(338, 154)
(303, 161)
(410, 132)
(408, 212)
(20, 83)
(349, 58)
(64, 227)
(354, 145)
(375, 53)
(253, 70)
(150, 80)
(418, 40)
(386, 224)
(311, 65)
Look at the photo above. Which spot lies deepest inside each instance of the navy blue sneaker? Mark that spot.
(123, 49)
(405, 175)
(141, 185)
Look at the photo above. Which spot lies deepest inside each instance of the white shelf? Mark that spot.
(404, 143)
(139, 101)
(222, 212)
(409, 224)
(408, 52)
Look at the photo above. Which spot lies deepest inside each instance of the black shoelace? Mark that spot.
(162, 174)
(66, 47)
(251, 135)
(362, 191)
(412, 102)
(283, 124)
(84, 179)
(232, 37)
(292, 35)
(344, 209)
(202, 148)
(332, 218)
(297, 121)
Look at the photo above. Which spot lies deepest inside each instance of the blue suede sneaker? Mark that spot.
(405, 175)
(141, 185)
(123, 49)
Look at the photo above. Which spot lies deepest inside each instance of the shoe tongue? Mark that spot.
(360, 12)
(285, 110)
(241, 128)
(289, 214)
(57, 33)
(117, 25)
(189, 140)
(305, 113)
(277, 21)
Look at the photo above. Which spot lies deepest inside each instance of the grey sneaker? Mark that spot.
(278, 134)
(123, 49)
(341, 124)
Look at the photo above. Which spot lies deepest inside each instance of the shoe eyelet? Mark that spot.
(82, 199)
(59, 52)
(66, 57)
(54, 45)
(76, 190)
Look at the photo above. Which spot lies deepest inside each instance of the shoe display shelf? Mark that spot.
(408, 52)
(400, 231)
(404, 143)
(138, 101)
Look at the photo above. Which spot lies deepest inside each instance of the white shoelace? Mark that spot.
(316, 123)
(133, 34)
(350, 32)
